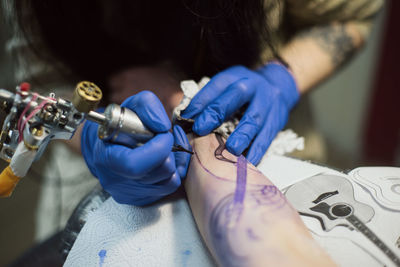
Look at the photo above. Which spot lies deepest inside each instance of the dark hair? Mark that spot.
(95, 38)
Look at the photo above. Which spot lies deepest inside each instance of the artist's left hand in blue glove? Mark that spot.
(270, 93)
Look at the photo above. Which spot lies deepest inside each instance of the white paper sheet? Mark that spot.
(164, 234)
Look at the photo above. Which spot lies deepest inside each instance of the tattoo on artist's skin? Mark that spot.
(225, 221)
(333, 39)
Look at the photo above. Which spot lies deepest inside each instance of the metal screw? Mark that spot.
(37, 131)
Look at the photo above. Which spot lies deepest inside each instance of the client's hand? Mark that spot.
(270, 93)
(144, 174)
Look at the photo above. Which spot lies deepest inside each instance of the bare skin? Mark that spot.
(314, 54)
(243, 218)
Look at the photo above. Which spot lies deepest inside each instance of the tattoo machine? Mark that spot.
(33, 120)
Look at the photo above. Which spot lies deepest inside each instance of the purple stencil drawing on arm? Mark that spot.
(241, 171)
(244, 219)
(226, 215)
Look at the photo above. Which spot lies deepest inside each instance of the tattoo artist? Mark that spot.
(262, 55)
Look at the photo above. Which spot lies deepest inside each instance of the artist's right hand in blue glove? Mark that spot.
(141, 175)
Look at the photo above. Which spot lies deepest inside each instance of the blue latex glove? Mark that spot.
(141, 175)
(270, 93)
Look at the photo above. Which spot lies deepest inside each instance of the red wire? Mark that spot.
(23, 114)
(40, 106)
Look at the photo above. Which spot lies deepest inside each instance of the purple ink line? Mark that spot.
(216, 176)
(241, 177)
(102, 255)
(204, 167)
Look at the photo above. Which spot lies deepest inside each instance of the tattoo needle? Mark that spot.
(179, 148)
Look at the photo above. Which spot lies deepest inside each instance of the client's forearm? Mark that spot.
(244, 219)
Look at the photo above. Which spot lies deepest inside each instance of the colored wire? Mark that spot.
(34, 97)
(33, 113)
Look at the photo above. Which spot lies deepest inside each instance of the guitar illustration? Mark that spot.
(382, 182)
(330, 199)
